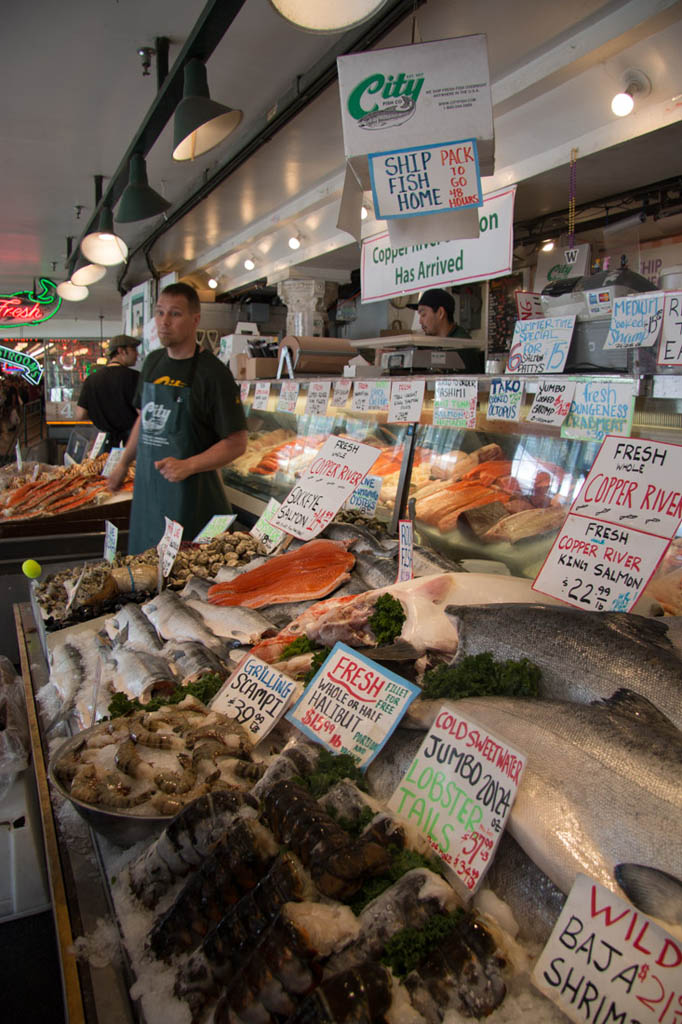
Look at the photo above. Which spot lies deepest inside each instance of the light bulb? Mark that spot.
(364, 213)
(212, 283)
(294, 242)
(622, 104)
(249, 263)
(548, 246)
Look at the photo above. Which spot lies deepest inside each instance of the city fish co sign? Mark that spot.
(387, 270)
(26, 308)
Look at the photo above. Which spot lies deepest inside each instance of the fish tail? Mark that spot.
(653, 891)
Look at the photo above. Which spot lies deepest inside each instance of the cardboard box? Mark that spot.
(246, 367)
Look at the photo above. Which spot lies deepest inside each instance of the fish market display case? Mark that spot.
(497, 493)
(79, 864)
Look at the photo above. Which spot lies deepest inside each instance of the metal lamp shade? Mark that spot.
(72, 292)
(200, 123)
(103, 246)
(139, 200)
(318, 16)
(87, 273)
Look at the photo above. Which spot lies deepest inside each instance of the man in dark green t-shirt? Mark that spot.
(436, 309)
(190, 424)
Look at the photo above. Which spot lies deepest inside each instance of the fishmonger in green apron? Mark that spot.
(168, 429)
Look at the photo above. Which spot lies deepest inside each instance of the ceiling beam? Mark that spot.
(211, 26)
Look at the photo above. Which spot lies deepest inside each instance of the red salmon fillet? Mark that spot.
(310, 572)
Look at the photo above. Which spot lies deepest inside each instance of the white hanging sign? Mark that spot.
(317, 398)
(407, 399)
(670, 344)
(421, 180)
(636, 321)
(505, 399)
(552, 402)
(455, 403)
(540, 346)
(387, 270)
(261, 395)
(288, 396)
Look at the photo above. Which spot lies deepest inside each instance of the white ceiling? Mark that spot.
(74, 96)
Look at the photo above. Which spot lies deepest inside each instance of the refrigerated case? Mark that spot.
(463, 486)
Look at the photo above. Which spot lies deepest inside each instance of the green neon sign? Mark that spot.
(21, 309)
(30, 367)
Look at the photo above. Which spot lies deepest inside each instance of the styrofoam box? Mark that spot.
(23, 878)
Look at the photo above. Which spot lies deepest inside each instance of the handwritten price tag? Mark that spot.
(637, 977)
(261, 395)
(256, 695)
(317, 399)
(97, 445)
(244, 389)
(455, 403)
(636, 321)
(169, 545)
(341, 392)
(288, 396)
(459, 791)
(110, 541)
(552, 402)
(670, 345)
(405, 550)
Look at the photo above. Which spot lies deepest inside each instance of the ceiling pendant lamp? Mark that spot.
(200, 123)
(102, 245)
(315, 16)
(72, 292)
(139, 200)
(87, 273)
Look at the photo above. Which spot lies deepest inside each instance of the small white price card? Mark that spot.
(505, 399)
(72, 590)
(256, 694)
(370, 395)
(540, 346)
(214, 527)
(670, 344)
(288, 396)
(607, 961)
(317, 398)
(365, 497)
(337, 469)
(110, 541)
(244, 389)
(636, 321)
(455, 403)
(269, 536)
(352, 705)
(459, 791)
(552, 402)
(261, 395)
(169, 545)
(598, 567)
(405, 550)
(112, 462)
(341, 392)
(19, 457)
(600, 407)
(407, 398)
(97, 445)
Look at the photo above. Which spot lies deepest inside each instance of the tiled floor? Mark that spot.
(30, 972)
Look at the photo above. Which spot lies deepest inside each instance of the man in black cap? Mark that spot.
(107, 396)
(436, 309)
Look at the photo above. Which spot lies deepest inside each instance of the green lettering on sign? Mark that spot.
(30, 367)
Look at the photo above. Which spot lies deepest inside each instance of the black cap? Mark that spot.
(435, 298)
(122, 341)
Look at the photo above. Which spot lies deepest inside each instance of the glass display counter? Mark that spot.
(498, 492)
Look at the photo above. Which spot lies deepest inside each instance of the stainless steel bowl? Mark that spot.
(123, 828)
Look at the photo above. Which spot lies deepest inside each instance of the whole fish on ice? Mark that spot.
(583, 656)
(601, 785)
(138, 674)
(240, 625)
(174, 620)
(130, 626)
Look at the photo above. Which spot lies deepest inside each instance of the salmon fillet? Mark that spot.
(310, 572)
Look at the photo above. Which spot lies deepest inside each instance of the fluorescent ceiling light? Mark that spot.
(327, 15)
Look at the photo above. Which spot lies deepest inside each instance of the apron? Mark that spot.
(167, 430)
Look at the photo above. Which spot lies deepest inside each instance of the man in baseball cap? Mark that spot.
(107, 396)
(436, 309)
